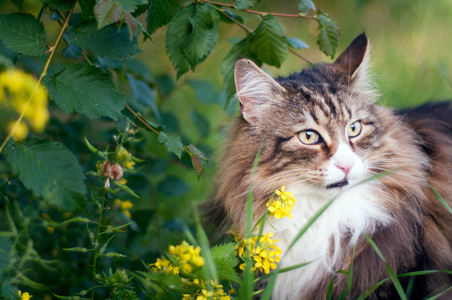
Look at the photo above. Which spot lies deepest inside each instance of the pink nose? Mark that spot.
(345, 166)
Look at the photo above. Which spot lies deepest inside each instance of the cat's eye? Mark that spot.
(309, 137)
(354, 129)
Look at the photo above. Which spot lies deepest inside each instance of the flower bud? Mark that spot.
(112, 170)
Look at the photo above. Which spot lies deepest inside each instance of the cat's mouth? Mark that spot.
(337, 184)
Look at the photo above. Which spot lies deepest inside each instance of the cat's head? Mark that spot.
(320, 126)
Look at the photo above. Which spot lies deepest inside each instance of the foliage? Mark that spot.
(98, 171)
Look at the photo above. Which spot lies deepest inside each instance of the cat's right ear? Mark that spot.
(255, 89)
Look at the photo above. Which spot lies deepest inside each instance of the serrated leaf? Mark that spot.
(50, 170)
(61, 5)
(161, 13)
(226, 261)
(296, 43)
(269, 42)
(85, 89)
(197, 164)
(107, 12)
(328, 38)
(240, 49)
(172, 143)
(131, 5)
(23, 33)
(131, 23)
(18, 3)
(195, 151)
(245, 4)
(204, 36)
(87, 7)
(305, 6)
(192, 36)
(109, 41)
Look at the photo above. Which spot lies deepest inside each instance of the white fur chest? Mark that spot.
(355, 211)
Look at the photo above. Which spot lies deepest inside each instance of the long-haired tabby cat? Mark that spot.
(321, 134)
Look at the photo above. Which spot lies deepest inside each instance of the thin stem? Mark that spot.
(43, 73)
(141, 120)
(301, 56)
(261, 13)
(96, 242)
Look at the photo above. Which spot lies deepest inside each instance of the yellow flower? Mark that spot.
(124, 206)
(264, 255)
(20, 132)
(25, 296)
(187, 256)
(282, 206)
(124, 158)
(163, 265)
(16, 88)
(217, 292)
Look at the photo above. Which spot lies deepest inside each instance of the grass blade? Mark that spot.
(441, 199)
(392, 275)
(369, 292)
(440, 294)
(347, 289)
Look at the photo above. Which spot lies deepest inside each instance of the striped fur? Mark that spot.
(399, 212)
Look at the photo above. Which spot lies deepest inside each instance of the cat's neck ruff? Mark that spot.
(355, 211)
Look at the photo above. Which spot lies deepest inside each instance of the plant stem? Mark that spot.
(141, 120)
(302, 57)
(43, 73)
(261, 13)
(96, 242)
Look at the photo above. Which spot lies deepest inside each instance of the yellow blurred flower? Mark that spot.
(217, 292)
(124, 158)
(124, 206)
(21, 131)
(16, 88)
(281, 206)
(264, 255)
(25, 296)
(187, 256)
(165, 266)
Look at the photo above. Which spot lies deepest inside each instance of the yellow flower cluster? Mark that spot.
(217, 292)
(124, 206)
(282, 206)
(16, 88)
(263, 256)
(25, 296)
(124, 158)
(185, 258)
(163, 265)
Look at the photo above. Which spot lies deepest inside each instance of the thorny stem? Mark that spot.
(43, 73)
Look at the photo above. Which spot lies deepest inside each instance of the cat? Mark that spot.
(321, 135)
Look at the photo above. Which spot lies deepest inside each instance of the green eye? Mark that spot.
(354, 129)
(309, 137)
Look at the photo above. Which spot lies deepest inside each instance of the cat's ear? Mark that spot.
(354, 58)
(255, 89)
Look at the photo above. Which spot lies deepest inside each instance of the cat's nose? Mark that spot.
(345, 165)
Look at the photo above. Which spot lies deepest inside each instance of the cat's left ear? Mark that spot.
(255, 88)
(354, 58)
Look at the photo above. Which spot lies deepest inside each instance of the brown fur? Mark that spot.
(415, 144)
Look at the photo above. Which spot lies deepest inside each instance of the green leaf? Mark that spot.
(144, 95)
(23, 33)
(296, 43)
(61, 5)
(192, 36)
(201, 122)
(85, 89)
(131, 23)
(77, 249)
(205, 91)
(50, 170)
(231, 14)
(109, 41)
(131, 5)
(161, 13)
(441, 199)
(195, 151)
(107, 12)
(240, 49)
(245, 4)
(172, 143)
(87, 7)
(328, 38)
(18, 3)
(269, 42)
(225, 261)
(305, 6)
